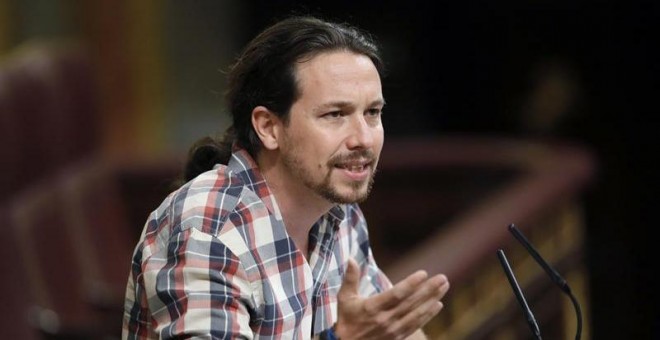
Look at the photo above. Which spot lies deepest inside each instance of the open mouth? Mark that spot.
(355, 170)
(353, 167)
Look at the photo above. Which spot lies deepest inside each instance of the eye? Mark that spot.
(333, 114)
(374, 112)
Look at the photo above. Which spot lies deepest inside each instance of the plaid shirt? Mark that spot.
(215, 262)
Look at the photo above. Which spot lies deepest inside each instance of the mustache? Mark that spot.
(366, 154)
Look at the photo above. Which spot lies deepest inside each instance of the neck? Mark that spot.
(300, 206)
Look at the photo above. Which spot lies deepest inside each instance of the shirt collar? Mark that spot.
(245, 167)
(337, 213)
(242, 165)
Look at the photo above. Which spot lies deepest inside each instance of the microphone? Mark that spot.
(533, 325)
(552, 273)
(556, 278)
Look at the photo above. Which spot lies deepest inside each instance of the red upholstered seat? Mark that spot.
(49, 111)
(47, 254)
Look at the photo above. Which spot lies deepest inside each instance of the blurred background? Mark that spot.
(100, 100)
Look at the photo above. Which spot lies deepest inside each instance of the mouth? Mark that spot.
(354, 167)
(355, 170)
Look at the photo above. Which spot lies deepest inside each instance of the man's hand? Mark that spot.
(393, 314)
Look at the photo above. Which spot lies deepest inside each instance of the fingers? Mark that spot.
(409, 305)
(432, 290)
(416, 318)
(400, 292)
(409, 293)
(397, 312)
(420, 307)
(350, 285)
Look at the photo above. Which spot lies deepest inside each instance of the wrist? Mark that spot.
(330, 333)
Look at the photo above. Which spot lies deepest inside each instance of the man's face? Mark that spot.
(334, 135)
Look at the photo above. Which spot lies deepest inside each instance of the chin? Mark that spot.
(352, 196)
(344, 192)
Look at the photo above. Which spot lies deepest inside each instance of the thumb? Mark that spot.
(349, 287)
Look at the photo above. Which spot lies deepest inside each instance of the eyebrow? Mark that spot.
(343, 104)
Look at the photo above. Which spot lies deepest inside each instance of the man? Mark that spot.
(273, 244)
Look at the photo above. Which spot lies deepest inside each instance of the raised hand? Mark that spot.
(393, 314)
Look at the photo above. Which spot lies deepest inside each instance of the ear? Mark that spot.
(267, 125)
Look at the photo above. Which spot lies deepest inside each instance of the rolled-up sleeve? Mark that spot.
(195, 287)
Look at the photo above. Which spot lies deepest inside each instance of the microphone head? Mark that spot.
(552, 273)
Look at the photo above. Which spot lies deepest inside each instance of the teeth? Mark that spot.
(356, 168)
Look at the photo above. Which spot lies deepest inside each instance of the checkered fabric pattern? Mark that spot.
(215, 262)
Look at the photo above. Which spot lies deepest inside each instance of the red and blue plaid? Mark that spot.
(215, 262)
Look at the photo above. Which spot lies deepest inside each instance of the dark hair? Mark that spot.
(264, 74)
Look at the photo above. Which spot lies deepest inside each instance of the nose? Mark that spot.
(361, 134)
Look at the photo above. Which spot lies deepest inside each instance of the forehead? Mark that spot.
(338, 73)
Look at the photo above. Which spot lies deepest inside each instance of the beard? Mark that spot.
(359, 191)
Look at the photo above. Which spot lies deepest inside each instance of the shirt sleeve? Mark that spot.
(197, 288)
(373, 279)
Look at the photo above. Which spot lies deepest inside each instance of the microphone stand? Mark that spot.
(552, 273)
(533, 325)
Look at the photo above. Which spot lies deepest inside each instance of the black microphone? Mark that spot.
(519, 295)
(554, 276)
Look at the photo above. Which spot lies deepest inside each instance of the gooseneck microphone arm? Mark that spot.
(533, 325)
(554, 276)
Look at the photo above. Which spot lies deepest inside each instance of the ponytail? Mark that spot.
(205, 153)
